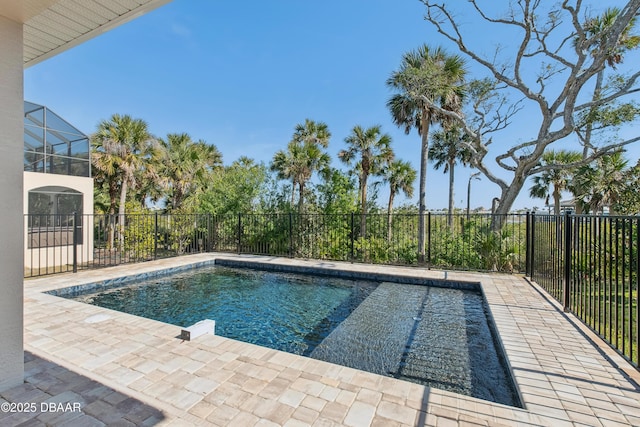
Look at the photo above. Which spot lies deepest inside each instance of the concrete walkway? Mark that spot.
(112, 368)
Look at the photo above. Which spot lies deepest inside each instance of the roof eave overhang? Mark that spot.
(121, 19)
(36, 15)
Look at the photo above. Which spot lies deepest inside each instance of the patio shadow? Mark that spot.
(56, 396)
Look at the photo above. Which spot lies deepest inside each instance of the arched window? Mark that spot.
(50, 219)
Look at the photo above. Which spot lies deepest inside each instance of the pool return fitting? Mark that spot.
(192, 332)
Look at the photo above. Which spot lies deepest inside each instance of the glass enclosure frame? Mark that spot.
(52, 145)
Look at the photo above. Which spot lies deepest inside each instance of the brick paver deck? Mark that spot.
(124, 370)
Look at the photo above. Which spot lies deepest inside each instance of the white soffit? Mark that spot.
(53, 26)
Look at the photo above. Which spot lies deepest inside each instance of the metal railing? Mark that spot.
(67, 243)
(590, 265)
(468, 244)
(465, 243)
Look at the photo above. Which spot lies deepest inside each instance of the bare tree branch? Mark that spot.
(609, 149)
(569, 56)
(625, 90)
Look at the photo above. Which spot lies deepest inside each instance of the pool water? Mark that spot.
(434, 336)
(293, 313)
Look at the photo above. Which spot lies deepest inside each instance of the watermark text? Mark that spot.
(15, 407)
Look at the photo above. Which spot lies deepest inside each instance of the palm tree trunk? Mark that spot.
(178, 197)
(121, 212)
(301, 198)
(389, 216)
(363, 207)
(113, 191)
(451, 178)
(293, 194)
(422, 203)
(556, 201)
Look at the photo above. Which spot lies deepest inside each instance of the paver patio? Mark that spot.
(126, 370)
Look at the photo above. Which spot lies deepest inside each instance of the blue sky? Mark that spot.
(241, 75)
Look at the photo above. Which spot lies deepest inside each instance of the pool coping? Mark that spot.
(346, 273)
(340, 273)
(591, 386)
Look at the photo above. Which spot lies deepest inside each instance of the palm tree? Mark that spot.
(597, 31)
(314, 159)
(372, 149)
(601, 184)
(285, 164)
(554, 180)
(400, 177)
(447, 148)
(312, 133)
(303, 157)
(540, 188)
(427, 76)
(122, 148)
(186, 165)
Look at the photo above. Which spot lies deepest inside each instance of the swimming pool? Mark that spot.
(435, 336)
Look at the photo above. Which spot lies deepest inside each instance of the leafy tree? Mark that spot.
(372, 149)
(554, 181)
(400, 177)
(235, 188)
(429, 82)
(139, 234)
(303, 157)
(337, 193)
(597, 30)
(540, 33)
(337, 198)
(447, 148)
(101, 204)
(275, 196)
(123, 150)
(186, 166)
(629, 200)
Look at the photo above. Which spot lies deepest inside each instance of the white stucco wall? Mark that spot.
(45, 258)
(11, 239)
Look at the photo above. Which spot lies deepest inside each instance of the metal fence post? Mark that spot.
(290, 235)
(429, 239)
(155, 237)
(75, 242)
(527, 250)
(637, 286)
(207, 245)
(239, 232)
(532, 245)
(352, 239)
(567, 260)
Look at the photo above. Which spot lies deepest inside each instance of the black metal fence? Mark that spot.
(590, 265)
(468, 244)
(64, 243)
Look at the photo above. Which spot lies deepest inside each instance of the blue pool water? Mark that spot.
(430, 335)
